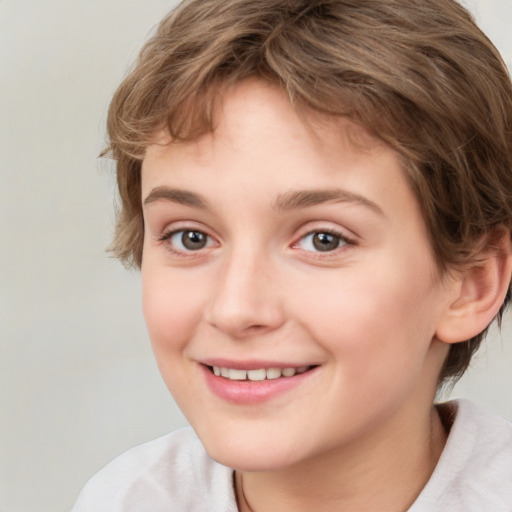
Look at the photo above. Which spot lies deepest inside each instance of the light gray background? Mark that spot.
(78, 384)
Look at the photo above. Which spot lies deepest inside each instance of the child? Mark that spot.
(319, 196)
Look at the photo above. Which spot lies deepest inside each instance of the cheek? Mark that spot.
(172, 308)
(373, 324)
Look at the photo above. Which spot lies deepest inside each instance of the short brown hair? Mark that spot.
(418, 74)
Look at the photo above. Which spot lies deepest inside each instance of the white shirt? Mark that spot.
(474, 472)
(175, 474)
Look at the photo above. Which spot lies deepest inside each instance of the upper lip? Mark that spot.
(252, 364)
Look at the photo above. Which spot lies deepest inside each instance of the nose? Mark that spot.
(246, 299)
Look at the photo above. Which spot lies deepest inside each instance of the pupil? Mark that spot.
(325, 242)
(193, 240)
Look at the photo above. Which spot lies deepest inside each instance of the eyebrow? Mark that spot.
(176, 195)
(294, 200)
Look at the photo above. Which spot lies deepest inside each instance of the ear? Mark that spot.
(478, 293)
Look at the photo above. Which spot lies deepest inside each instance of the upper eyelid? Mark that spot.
(347, 240)
(343, 233)
(184, 225)
(168, 233)
(332, 231)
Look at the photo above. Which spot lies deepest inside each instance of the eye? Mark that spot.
(322, 241)
(187, 240)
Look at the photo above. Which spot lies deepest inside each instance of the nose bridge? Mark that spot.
(245, 298)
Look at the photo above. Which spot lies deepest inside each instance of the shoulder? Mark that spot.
(171, 473)
(474, 472)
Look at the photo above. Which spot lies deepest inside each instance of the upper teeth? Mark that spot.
(260, 374)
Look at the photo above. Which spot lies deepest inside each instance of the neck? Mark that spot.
(384, 472)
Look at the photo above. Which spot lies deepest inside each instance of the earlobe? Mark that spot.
(479, 293)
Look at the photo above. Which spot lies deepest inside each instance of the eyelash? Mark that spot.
(168, 235)
(342, 241)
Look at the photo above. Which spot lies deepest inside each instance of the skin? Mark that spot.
(360, 433)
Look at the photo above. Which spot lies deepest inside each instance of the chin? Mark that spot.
(247, 455)
(250, 461)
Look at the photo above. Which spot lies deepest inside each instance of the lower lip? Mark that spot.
(246, 392)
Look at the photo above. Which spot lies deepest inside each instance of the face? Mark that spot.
(288, 285)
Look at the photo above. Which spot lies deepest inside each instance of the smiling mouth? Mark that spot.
(258, 374)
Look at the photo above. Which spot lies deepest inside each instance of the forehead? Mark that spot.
(255, 107)
(261, 144)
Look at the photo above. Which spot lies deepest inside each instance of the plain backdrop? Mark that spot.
(78, 384)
